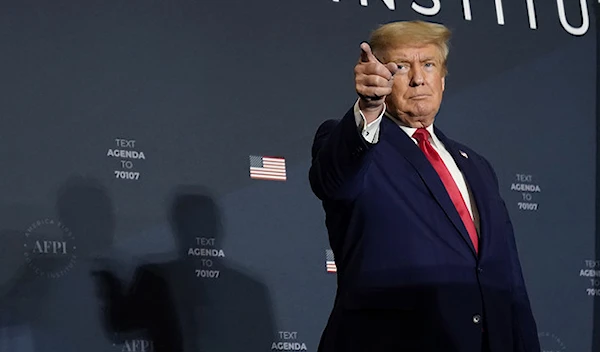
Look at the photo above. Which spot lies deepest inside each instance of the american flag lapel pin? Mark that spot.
(330, 261)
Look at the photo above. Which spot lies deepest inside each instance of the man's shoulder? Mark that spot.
(328, 124)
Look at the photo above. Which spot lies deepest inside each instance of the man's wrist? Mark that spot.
(370, 113)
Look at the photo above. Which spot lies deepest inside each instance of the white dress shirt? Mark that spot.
(370, 133)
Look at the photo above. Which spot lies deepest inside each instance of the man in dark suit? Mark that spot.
(425, 249)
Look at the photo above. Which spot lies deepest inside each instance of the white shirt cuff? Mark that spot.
(370, 131)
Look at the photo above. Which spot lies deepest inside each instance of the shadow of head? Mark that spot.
(84, 205)
(194, 214)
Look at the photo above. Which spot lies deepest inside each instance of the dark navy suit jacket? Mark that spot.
(408, 276)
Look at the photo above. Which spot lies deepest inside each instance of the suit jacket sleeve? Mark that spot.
(338, 154)
(524, 325)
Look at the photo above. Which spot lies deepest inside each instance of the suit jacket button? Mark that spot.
(479, 270)
(477, 319)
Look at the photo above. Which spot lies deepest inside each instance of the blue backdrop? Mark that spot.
(129, 219)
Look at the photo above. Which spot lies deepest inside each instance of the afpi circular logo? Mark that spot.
(549, 342)
(49, 248)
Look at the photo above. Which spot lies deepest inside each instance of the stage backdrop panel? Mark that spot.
(156, 153)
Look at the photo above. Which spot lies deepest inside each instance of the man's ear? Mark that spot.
(443, 83)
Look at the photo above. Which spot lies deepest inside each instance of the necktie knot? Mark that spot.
(421, 134)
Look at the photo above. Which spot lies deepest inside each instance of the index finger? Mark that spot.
(366, 55)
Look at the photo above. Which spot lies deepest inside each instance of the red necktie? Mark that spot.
(422, 136)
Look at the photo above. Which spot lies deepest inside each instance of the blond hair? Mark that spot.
(392, 35)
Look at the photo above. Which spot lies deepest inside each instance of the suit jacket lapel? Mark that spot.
(391, 133)
(475, 184)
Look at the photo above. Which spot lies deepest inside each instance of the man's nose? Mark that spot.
(417, 79)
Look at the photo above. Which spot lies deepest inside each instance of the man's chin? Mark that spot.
(414, 121)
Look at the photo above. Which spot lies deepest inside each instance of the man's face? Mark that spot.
(418, 84)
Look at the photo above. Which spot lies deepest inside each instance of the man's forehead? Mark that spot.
(413, 51)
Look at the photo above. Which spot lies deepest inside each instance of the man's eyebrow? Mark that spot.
(406, 59)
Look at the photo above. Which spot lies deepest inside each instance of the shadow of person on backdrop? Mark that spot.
(141, 316)
(54, 295)
(199, 302)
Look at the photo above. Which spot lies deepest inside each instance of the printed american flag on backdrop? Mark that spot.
(267, 168)
(330, 261)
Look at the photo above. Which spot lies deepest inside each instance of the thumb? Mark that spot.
(392, 67)
(365, 53)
